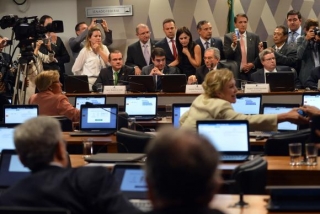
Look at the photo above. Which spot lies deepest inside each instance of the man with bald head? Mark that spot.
(139, 53)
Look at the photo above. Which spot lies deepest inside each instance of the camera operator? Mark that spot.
(77, 43)
(61, 53)
(6, 76)
(308, 49)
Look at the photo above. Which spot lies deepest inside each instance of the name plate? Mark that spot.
(114, 89)
(256, 88)
(194, 89)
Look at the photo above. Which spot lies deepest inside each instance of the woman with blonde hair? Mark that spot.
(92, 58)
(215, 103)
(50, 99)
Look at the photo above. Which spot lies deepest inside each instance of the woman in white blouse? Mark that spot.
(92, 58)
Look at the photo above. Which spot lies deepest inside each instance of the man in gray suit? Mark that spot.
(294, 20)
(245, 49)
(159, 66)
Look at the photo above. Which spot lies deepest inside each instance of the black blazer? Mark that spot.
(106, 76)
(165, 46)
(135, 55)
(287, 56)
(203, 70)
(214, 42)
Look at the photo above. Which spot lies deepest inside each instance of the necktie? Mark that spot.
(243, 51)
(292, 37)
(116, 78)
(174, 49)
(207, 44)
(146, 54)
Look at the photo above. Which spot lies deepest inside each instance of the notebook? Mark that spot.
(97, 120)
(229, 137)
(11, 169)
(141, 83)
(16, 114)
(311, 99)
(278, 109)
(141, 107)
(178, 109)
(76, 84)
(247, 104)
(96, 99)
(172, 83)
(6, 136)
(131, 179)
(280, 81)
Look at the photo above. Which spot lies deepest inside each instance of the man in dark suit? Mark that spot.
(181, 173)
(268, 61)
(139, 53)
(168, 43)
(245, 49)
(206, 40)
(212, 62)
(116, 74)
(41, 148)
(159, 67)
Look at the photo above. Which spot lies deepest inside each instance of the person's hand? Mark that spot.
(92, 24)
(185, 50)
(234, 39)
(96, 48)
(155, 71)
(137, 71)
(38, 44)
(310, 110)
(260, 47)
(3, 42)
(247, 67)
(53, 38)
(294, 117)
(192, 79)
(310, 35)
(104, 25)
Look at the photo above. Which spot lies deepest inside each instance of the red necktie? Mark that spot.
(174, 49)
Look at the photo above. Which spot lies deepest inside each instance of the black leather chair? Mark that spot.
(66, 123)
(122, 120)
(250, 178)
(278, 144)
(234, 67)
(33, 210)
(131, 141)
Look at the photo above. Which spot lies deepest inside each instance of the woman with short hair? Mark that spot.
(50, 99)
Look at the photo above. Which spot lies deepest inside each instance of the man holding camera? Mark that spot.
(308, 49)
(77, 43)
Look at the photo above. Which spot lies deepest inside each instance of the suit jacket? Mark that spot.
(165, 46)
(81, 190)
(203, 70)
(166, 70)
(259, 76)
(312, 81)
(253, 41)
(214, 42)
(304, 53)
(287, 56)
(106, 76)
(206, 108)
(135, 55)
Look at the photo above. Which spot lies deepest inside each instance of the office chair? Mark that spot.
(33, 210)
(131, 141)
(65, 123)
(234, 67)
(278, 144)
(250, 178)
(122, 120)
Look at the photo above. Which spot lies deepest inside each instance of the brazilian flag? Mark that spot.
(230, 16)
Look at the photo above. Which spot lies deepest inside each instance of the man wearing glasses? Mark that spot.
(294, 25)
(139, 53)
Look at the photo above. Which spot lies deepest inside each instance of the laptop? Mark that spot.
(311, 99)
(141, 83)
(17, 114)
(278, 109)
(173, 83)
(76, 84)
(96, 99)
(141, 107)
(115, 157)
(294, 199)
(247, 104)
(97, 120)
(11, 169)
(280, 81)
(6, 136)
(131, 179)
(229, 137)
(178, 109)
(33, 210)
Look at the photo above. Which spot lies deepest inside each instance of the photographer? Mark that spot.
(308, 49)
(6, 76)
(77, 43)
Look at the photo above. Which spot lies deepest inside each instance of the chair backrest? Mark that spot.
(122, 120)
(65, 123)
(250, 177)
(234, 67)
(278, 144)
(33, 210)
(131, 141)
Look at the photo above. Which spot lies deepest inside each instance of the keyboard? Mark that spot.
(143, 205)
(234, 157)
(262, 134)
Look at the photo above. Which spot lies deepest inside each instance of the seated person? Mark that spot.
(50, 99)
(41, 148)
(312, 81)
(116, 74)
(268, 61)
(215, 103)
(182, 173)
(159, 66)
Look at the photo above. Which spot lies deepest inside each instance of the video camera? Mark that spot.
(316, 31)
